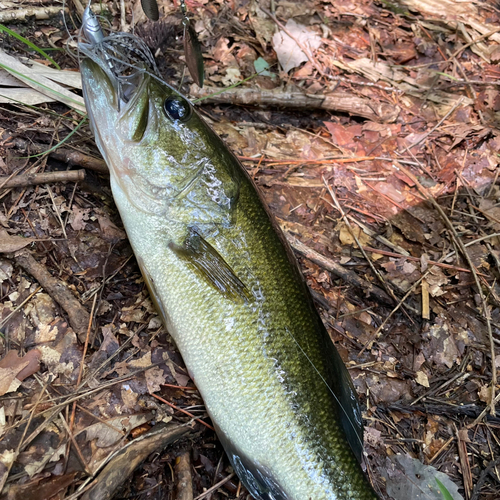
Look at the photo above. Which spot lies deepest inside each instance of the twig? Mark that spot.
(463, 250)
(80, 373)
(473, 42)
(66, 155)
(463, 456)
(330, 160)
(445, 445)
(45, 177)
(75, 397)
(183, 411)
(123, 19)
(439, 123)
(476, 492)
(342, 102)
(184, 482)
(75, 445)
(38, 12)
(340, 271)
(353, 234)
(215, 486)
(56, 210)
(77, 314)
(382, 325)
(416, 259)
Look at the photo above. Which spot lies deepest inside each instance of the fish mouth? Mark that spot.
(125, 60)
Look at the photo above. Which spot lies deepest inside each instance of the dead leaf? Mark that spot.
(373, 436)
(422, 379)
(346, 238)
(13, 369)
(407, 477)
(9, 243)
(154, 379)
(110, 432)
(78, 218)
(485, 394)
(290, 55)
(142, 362)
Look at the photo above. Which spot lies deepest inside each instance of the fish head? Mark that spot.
(160, 152)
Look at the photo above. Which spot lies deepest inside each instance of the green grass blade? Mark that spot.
(29, 44)
(36, 108)
(59, 144)
(444, 491)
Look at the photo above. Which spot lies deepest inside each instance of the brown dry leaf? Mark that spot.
(346, 237)
(41, 309)
(436, 279)
(387, 390)
(63, 358)
(142, 362)
(290, 55)
(129, 397)
(9, 243)
(373, 436)
(78, 218)
(110, 432)
(154, 379)
(109, 230)
(422, 379)
(485, 393)
(6, 269)
(13, 369)
(53, 487)
(7, 458)
(131, 314)
(442, 348)
(491, 210)
(263, 26)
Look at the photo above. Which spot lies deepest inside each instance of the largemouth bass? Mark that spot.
(225, 284)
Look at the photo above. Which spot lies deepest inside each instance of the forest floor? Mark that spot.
(372, 130)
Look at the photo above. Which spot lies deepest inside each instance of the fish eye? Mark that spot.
(177, 108)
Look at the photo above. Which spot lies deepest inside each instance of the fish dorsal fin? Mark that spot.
(211, 266)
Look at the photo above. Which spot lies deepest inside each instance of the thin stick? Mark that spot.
(216, 486)
(183, 411)
(27, 299)
(45, 177)
(56, 209)
(461, 246)
(439, 123)
(16, 454)
(348, 224)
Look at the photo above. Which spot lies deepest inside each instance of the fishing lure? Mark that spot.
(192, 46)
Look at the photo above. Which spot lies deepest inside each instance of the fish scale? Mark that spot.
(229, 291)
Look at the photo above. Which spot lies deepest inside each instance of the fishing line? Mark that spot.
(326, 383)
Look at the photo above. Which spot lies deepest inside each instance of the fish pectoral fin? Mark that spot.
(211, 266)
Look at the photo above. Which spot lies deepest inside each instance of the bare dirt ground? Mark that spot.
(372, 131)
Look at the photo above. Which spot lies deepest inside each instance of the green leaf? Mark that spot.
(444, 491)
(29, 44)
(261, 66)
